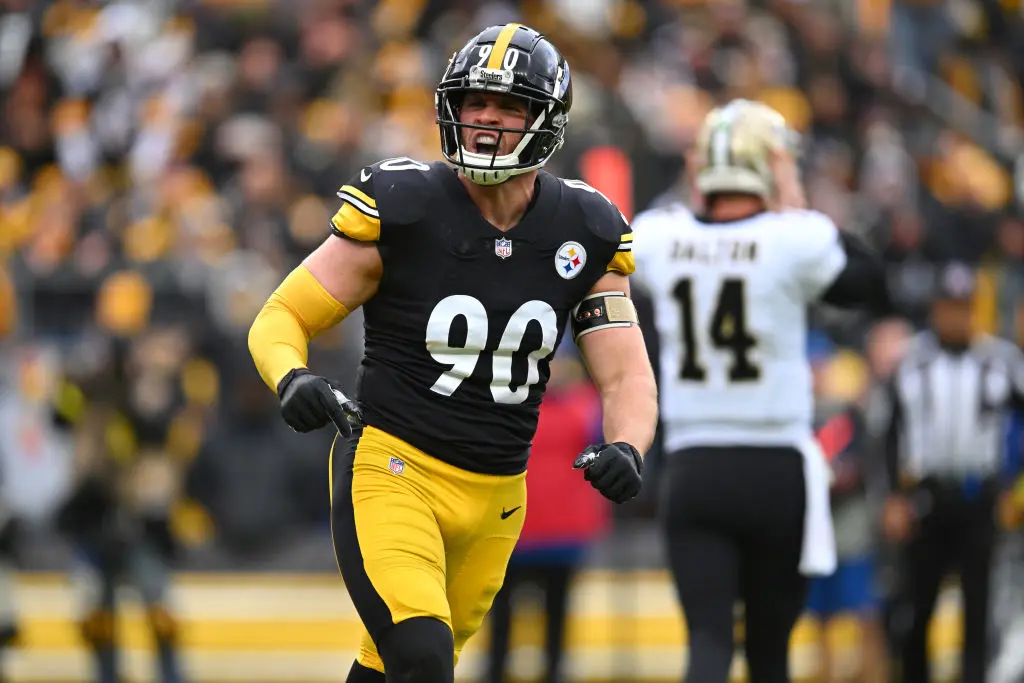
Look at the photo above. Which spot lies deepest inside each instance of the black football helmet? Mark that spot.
(514, 60)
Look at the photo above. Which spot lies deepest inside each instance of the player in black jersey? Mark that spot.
(467, 277)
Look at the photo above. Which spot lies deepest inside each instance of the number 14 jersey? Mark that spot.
(460, 332)
(730, 303)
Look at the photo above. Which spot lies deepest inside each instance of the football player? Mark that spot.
(746, 504)
(467, 272)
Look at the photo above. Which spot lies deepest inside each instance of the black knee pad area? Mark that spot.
(418, 650)
(360, 674)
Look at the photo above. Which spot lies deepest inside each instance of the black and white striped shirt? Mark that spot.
(950, 408)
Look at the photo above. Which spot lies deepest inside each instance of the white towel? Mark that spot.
(818, 556)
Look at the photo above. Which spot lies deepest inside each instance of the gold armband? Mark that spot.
(601, 311)
(298, 310)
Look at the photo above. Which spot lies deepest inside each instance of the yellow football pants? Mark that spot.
(416, 537)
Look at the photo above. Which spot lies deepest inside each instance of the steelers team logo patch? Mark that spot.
(570, 259)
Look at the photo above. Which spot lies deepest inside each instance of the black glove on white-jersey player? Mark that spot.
(613, 469)
(309, 402)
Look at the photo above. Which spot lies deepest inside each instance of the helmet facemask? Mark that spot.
(542, 134)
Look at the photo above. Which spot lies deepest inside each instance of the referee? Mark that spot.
(952, 396)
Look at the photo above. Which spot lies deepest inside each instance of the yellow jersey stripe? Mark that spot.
(622, 262)
(353, 223)
(359, 194)
(627, 237)
(497, 57)
(330, 473)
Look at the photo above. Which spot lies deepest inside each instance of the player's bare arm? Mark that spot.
(613, 348)
(348, 270)
(621, 371)
(335, 279)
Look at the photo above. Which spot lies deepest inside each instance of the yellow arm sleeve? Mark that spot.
(298, 310)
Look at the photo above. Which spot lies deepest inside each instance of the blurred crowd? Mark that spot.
(164, 163)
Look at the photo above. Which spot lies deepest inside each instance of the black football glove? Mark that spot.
(613, 469)
(309, 402)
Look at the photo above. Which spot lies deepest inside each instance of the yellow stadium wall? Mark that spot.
(303, 629)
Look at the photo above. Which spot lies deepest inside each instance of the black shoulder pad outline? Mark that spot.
(602, 216)
(405, 187)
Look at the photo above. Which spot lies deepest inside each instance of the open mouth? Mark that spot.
(485, 143)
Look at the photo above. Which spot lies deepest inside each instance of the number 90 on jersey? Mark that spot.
(462, 361)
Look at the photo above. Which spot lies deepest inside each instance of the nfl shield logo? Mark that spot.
(503, 247)
(396, 465)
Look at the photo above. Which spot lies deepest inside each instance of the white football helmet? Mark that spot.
(734, 149)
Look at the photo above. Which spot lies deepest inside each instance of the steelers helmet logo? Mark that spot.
(570, 259)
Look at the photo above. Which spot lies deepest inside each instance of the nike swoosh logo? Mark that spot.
(364, 175)
(505, 514)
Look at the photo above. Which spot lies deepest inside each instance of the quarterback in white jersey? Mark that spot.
(731, 315)
(746, 493)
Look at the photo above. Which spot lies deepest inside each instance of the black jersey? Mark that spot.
(460, 332)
